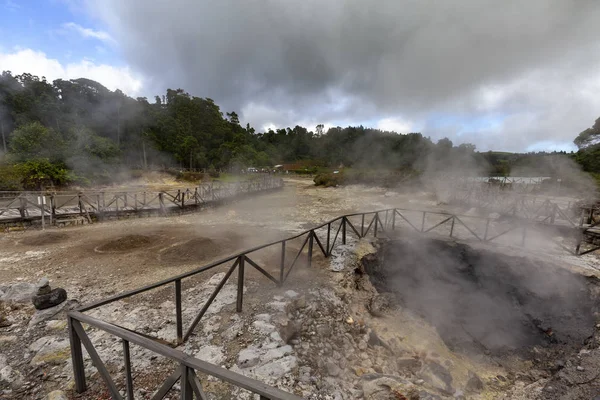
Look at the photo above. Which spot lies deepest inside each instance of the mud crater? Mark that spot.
(483, 302)
(127, 243)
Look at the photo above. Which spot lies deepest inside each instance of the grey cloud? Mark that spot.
(407, 58)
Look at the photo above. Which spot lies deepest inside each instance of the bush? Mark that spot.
(41, 172)
(190, 176)
(328, 179)
(10, 178)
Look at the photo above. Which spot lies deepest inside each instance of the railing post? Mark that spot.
(187, 393)
(394, 220)
(423, 221)
(375, 224)
(362, 226)
(76, 357)
(328, 238)
(452, 226)
(178, 311)
(282, 263)
(52, 207)
(487, 225)
(22, 206)
(343, 230)
(310, 247)
(162, 203)
(240, 288)
(128, 377)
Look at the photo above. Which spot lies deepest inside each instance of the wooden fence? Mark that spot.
(20, 207)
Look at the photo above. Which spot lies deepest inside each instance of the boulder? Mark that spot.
(52, 299)
(21, 292)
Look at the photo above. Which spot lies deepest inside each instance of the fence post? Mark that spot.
(52, 207)
(394, 220)
(328, 237)
(553, 213)
(282, 264)
(162, 203)
(452, 226)
(128, 377)
(240, 288)
(22, 206)
(423, 221)
(310, 247)
(76, 357)
(343, 230)
(362, 226)
(375, 224)
(178, 311)
(487, 225)
(187, 393)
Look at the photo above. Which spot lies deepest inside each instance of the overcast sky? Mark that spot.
(506, 75)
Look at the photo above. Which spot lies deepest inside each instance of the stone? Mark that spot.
(437, 376)
(474, 384)
(43, 315)
(21, 292)
(52, 299)
(248, 357)
(11, 377)
(411, 364)
(56, 395)
(332, 368)
(50, 350)
(291, 294)
(7, 339)
(211, 354)
(580, 368)
(43, 287)
(380, 304)
(57, 325)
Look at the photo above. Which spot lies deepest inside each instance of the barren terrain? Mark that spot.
(318, 336)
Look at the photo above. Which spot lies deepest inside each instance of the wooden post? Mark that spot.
(178, 311)
(362, 226)
(394, 220)
(343, 230)
(128, 376)
(187, 393)
(452, 226)
(375, 225)
(76, 357)
(328, 238)
(162, 203)
(423, 222)
(240, 288)
(282, 263)
(22, 206)
(487, 225)
(196, 196)
(135, 202)
(310, 247)
(52, 208)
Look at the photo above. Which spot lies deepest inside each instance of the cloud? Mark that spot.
(88, 33)
(533, 63)
(38, 63)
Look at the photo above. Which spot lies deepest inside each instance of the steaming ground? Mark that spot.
(126, 254)
(331, 336)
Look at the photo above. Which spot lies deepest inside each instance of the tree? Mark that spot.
(588, 137)
(34, 140)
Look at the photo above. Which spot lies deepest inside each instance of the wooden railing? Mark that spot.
(29, 206)
(324, 238)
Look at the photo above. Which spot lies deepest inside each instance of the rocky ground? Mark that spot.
(327, 334)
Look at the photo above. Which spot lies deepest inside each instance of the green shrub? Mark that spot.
(328, 179)
(10, 178)
(38, 173)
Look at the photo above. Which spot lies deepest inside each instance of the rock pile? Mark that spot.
(47, 297)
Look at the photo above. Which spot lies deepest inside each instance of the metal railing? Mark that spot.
(324, 236)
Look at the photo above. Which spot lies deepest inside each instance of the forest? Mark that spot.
(79, 132)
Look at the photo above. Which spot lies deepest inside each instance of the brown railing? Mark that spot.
(324, 236)
(30, 206)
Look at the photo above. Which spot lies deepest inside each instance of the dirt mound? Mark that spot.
(485, 302)
(126, 243)
(45, 238)
(194, 250)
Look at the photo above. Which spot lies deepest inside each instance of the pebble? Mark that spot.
(580, 368)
